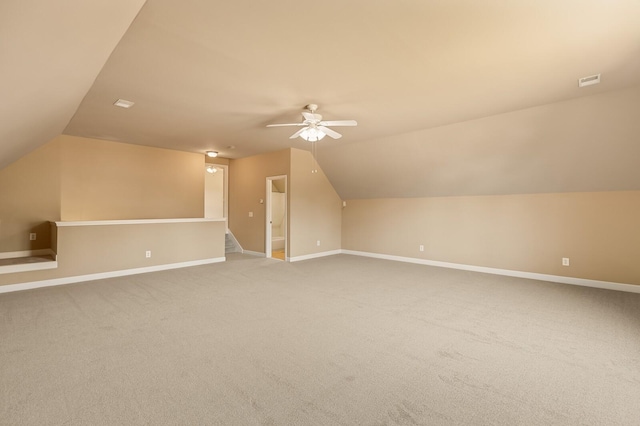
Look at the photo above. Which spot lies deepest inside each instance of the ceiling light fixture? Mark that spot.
(211, 169)
(312, 134)
(212, 154)
(123, 103)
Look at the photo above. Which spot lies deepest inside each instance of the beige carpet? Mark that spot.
(334, 341)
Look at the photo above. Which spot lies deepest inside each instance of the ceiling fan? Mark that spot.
(313, 128)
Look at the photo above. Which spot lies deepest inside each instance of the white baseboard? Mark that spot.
(631, 288)
(103, 275)
(314, 255)
(254, 253)
(530, 275)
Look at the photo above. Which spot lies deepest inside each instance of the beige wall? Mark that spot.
(247, 186)
(315, 208)
(217, 160)
(108, 180)
(73, 178)
(29, 198)
(86, 250)
(599, 232)
(87, 179)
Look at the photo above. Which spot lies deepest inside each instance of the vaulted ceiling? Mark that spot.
(451, 97)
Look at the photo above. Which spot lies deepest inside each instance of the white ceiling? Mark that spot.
(211, 74)
(51, 52)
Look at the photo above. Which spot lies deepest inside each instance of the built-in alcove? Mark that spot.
(41, 254)
(24, 262)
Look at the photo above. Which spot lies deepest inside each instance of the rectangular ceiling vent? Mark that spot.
(588, 81)
(123, 103)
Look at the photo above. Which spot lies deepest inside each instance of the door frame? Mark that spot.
(268, 219)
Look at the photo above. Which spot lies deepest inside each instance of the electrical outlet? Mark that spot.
(32, 236)
(565, 261)
(421, 248)
(148, 254)
(318, 243)
(250, 214)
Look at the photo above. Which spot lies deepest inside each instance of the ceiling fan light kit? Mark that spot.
(312, 134)
(314, 128)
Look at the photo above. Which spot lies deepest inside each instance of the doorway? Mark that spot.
(216, 192)
(276, 217)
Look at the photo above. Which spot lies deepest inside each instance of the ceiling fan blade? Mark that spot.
(339, 123)
(287, 124)
(298, 133)
(329, 132)
(311, 116)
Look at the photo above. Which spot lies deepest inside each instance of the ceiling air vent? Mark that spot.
(588, 81)
(122, 103)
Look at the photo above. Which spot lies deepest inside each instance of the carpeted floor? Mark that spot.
(340, 340)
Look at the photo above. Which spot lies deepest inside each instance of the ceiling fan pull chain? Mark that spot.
(314, 160)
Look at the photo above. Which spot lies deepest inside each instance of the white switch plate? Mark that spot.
(565, 261)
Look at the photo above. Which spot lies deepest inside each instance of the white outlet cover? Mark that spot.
(565, 261)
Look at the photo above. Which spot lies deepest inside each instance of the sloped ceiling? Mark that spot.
(51, 52)
(439, 88)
